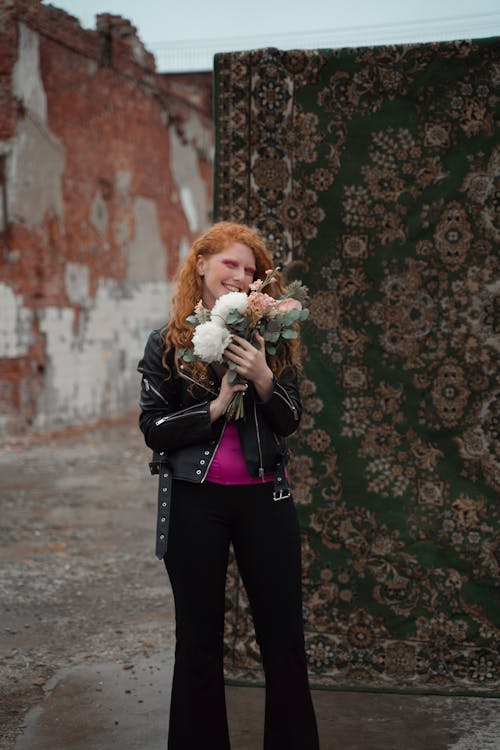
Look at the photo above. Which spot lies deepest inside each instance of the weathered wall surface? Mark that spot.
(105, 177)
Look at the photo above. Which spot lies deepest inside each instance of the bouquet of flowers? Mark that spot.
(245, 315)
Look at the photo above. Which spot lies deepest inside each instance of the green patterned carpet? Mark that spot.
(374, 175)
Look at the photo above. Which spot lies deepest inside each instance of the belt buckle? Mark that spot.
(281, 495)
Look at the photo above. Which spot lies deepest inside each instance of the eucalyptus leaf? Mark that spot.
(289, 333)
(271, 336)
(289, 317)
(274, 324)
(286, 319)
(240, 328)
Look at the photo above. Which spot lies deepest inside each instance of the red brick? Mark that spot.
(109, 109)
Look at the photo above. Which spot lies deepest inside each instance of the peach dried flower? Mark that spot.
(259, 305)
(287, 305)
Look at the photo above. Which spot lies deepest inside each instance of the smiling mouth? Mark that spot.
(231, 287)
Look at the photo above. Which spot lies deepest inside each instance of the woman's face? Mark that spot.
(230, 270)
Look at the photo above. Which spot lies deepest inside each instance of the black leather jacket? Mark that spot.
(175, 420)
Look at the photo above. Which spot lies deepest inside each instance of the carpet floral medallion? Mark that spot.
(373, 175)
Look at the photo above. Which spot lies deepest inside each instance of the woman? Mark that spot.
(223, 482)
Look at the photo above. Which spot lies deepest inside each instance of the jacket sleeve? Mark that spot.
(283, 408)
(167, 425)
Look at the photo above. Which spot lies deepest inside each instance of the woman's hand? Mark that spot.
(219, 405)
(251, 363)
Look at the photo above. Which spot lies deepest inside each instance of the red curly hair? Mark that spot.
(189, 289)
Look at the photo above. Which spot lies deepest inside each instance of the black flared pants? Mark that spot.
(266, 541)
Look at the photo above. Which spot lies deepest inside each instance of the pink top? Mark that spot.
(228, 465)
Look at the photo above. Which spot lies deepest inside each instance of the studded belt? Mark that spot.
(281, 491)
(164, 508)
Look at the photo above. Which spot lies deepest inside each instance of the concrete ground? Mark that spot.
(86, 635)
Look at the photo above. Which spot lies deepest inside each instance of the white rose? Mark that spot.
(227, 303)
(210, 340)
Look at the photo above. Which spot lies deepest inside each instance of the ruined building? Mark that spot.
(105, 178)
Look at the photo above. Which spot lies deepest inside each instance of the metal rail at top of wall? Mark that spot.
(196, 55)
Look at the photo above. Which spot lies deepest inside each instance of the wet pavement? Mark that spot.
(104, 706)
(87, 628)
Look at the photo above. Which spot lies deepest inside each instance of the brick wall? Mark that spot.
(105, 178)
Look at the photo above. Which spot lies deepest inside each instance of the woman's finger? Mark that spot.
(234, 356)
(228, 387)
(260, 340)
(241, 343)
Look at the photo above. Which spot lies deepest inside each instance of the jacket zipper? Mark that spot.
(183, 413)
(261, 468)
(287, 400)
(213, 454)
(149, 387)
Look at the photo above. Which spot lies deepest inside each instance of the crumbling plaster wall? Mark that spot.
(105, 178)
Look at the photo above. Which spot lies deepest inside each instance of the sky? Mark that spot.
(160, 23)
